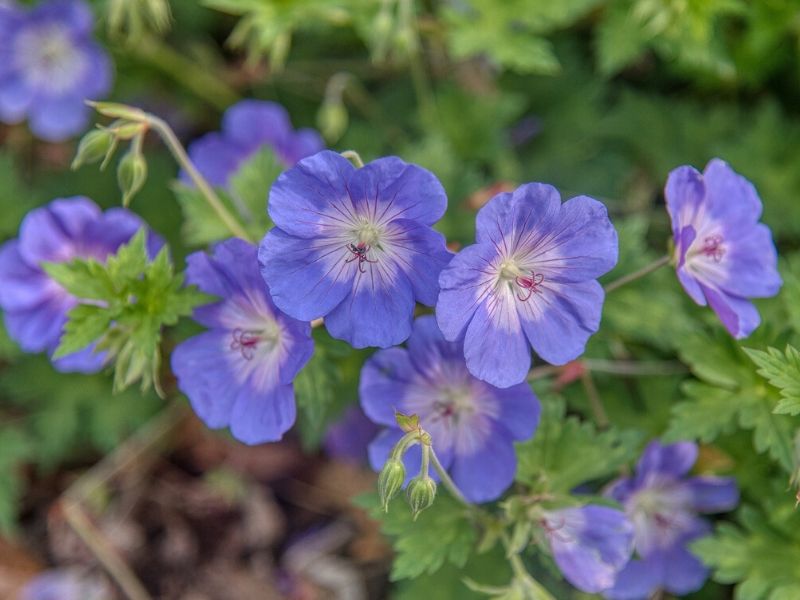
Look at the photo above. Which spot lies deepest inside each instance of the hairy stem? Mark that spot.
(214, 201)
(646, 270)
(448, 482)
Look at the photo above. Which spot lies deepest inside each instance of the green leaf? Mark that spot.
(731, 393)
(442, 534)
(782, 370)
(250, 185)
(16, 448)
(201, 225)
(566, 452)
(86, 279)
(761, 556)
(86, 324)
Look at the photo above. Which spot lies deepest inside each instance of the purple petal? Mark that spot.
(672, 459)
(99, 75)
(390, 188)
(421, 254)
(590, 545)
(752, 265)
(263, 415)
(21, 286)
(683, 572)
(382, 386)
(74, 13)
(730, 197)
(216, 158)
(49, 233)
(305, 142)
(495, 346)
(519, 410)
(39, 328)
(206, 378)
(307, 278)
(56, 119)
(16, 97)
(713, 494)
(684, 194)
(253, 123)
(559, 321)
(485, 474)
(427, 347)
(464, 285)
(85, 361)
(348, 438)
(739, 316)
(379, 310)
(532, 207)
(582, 246)
(637, 580)
(311, 199)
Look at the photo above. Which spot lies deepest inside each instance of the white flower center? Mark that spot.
(48, 58)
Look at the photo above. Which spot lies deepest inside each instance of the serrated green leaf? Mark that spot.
(86, 323)
(441, 534)
(566, 452)
(782, 370)
(761, 556)
(201, 226)
(85, 279)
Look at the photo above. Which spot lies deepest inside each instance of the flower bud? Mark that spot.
(131, 175)
(119, 111)
(92, 147)
(390, 481)
(332, 119)
(420, 494)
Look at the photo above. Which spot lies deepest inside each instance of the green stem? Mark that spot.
(354, 157)
(189, 74)
(448, 482)
(646, 270)
(214, 201)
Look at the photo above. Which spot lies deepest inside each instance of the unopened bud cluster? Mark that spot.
(421, 489)
(101, 144)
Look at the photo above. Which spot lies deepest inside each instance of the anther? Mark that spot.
(712, 247)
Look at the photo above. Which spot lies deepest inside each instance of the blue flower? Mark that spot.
(348, 438)
(239, 374)
(65, 584)
(49, 64)
(723, 254)
(355, 245)
(528, 281)
(248, 126)
(590, 544)
(473, 425)
(663, 505)
(35, 307)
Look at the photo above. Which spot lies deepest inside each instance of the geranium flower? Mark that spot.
(723, 254)
(473, 425)
(355, 245)
(248, 126)
(348, 438)
(49, 64)
(35, 307)
(239, 374)
(590, 544)
(529, 280)
(663, 504)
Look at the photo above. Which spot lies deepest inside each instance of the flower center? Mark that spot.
(452, 404)
(525, 283)
(248, 341)
(48, 57)
(712, 247)
(666, 510)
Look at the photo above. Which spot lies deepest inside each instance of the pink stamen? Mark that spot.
(712, 247)
(245, 342)
(529, 284)
(553, 529)
(359, 252)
